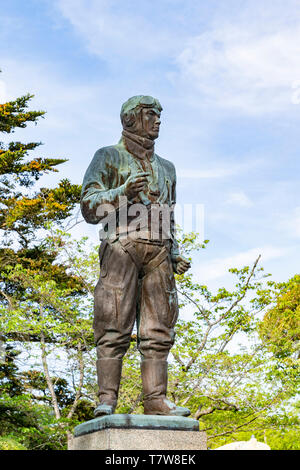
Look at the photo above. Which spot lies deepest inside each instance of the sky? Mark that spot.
(227, 74)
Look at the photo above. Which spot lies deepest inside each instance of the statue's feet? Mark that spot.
(103, 410)
(163, 406)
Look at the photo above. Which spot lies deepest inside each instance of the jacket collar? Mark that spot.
(140, 147)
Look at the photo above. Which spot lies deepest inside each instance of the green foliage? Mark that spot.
(39, 296)
(23, 213)
(286, 439)
(131, 385)
(10, 381)
(25, 424)
(234, 392)
(280, 328)
(10, 443)
(235, 362)
(12, 114)
(218, 366)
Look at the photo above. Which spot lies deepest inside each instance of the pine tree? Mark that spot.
(27, 212)
(23, 210)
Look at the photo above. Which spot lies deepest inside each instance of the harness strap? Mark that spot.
(154, 263)
(102, 248)
(128, 246)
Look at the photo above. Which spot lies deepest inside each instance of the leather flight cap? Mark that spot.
(142, 101)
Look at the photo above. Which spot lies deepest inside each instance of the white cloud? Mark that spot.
(290, 223)
(243, 67)
(218, 267)
(231, 169)
(247, 59)
(239, 198)
(68, 104)
(112, 29)
(191, 173)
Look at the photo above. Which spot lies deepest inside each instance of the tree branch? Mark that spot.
(47, 374)
(79, 388)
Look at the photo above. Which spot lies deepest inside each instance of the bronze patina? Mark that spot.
(136, 281)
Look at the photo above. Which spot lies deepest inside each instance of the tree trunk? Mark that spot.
(48, 378)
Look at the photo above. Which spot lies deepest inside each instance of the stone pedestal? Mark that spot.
(138, 432)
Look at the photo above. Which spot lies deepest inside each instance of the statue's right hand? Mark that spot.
(136, 183)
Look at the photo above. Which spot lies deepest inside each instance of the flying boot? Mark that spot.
(109, 376)
(155, 380)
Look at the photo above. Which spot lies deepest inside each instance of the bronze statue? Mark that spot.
(136, 268)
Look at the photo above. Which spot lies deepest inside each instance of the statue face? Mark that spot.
(151, 122)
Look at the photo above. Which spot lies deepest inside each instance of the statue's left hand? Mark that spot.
(180, 264)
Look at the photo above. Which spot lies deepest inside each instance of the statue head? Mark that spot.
(141, 115)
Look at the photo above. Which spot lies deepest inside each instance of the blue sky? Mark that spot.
(228, 76)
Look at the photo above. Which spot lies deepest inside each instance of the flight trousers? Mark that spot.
(136, 283)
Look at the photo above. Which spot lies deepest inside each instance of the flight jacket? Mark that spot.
(104, 183)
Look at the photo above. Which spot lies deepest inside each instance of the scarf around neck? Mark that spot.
(139, 146)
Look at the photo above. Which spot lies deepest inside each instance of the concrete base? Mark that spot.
(138, 432)
(145, 439)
